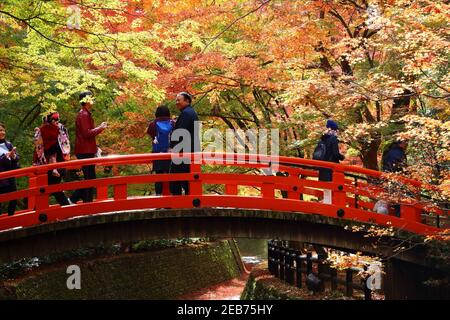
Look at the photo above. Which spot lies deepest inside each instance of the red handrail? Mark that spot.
(297, 183)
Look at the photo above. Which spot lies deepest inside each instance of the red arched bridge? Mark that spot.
(296, 190)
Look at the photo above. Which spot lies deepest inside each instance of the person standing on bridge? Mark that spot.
(394, 160)
(85, 143)
(9, 160)
(328, 150)
(55, 139)
(159, 131)
(187, 129)
(52, 145)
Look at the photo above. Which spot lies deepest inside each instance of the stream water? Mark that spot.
(253, 251)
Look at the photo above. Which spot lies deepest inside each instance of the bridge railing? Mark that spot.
(295, 189)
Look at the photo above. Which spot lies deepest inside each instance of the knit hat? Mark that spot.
(332, 125)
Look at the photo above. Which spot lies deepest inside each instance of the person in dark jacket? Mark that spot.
(85, 143)
(50, 132)
(185, 121)
(332, 154)
(394, 158)
(9, 160)
(160, 166)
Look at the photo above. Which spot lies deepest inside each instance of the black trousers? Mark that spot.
(60, 197)
(13, 203)
(87, 195)
(176, 187)
(160, 166)
(396, 208)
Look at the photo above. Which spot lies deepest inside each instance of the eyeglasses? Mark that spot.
(55, 119)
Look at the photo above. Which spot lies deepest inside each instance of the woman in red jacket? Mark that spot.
(50, 131)
(56, 148)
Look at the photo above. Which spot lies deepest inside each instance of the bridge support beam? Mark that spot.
(405, 281)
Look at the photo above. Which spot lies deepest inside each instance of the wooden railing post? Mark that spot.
(102, 193)
(268, 190)
(322, 269)
(290, 270)
(32, 183)
(333, 278)
(271, 257)
(339, 196)
(231, 189)
(120, 192)
(295, 192)
(349, 282)
(299, 268)
(195, 186)
(277, 260)
(166, 188)
(410, 212)
(282, 263)
(42, 199)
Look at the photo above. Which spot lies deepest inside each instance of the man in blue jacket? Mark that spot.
(185, 121)
(394, 159)
(331, 141)
(332, 154)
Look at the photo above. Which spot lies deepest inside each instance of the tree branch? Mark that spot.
(265, 2)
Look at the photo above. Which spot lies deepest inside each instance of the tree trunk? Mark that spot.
(369, 155)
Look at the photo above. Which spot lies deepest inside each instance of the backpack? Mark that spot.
(320, 152)
(162, 139)
(63, 140)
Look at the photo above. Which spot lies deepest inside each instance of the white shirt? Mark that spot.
(3, 149)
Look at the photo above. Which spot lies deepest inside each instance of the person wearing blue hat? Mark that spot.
(328, 150)
(332, 125)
